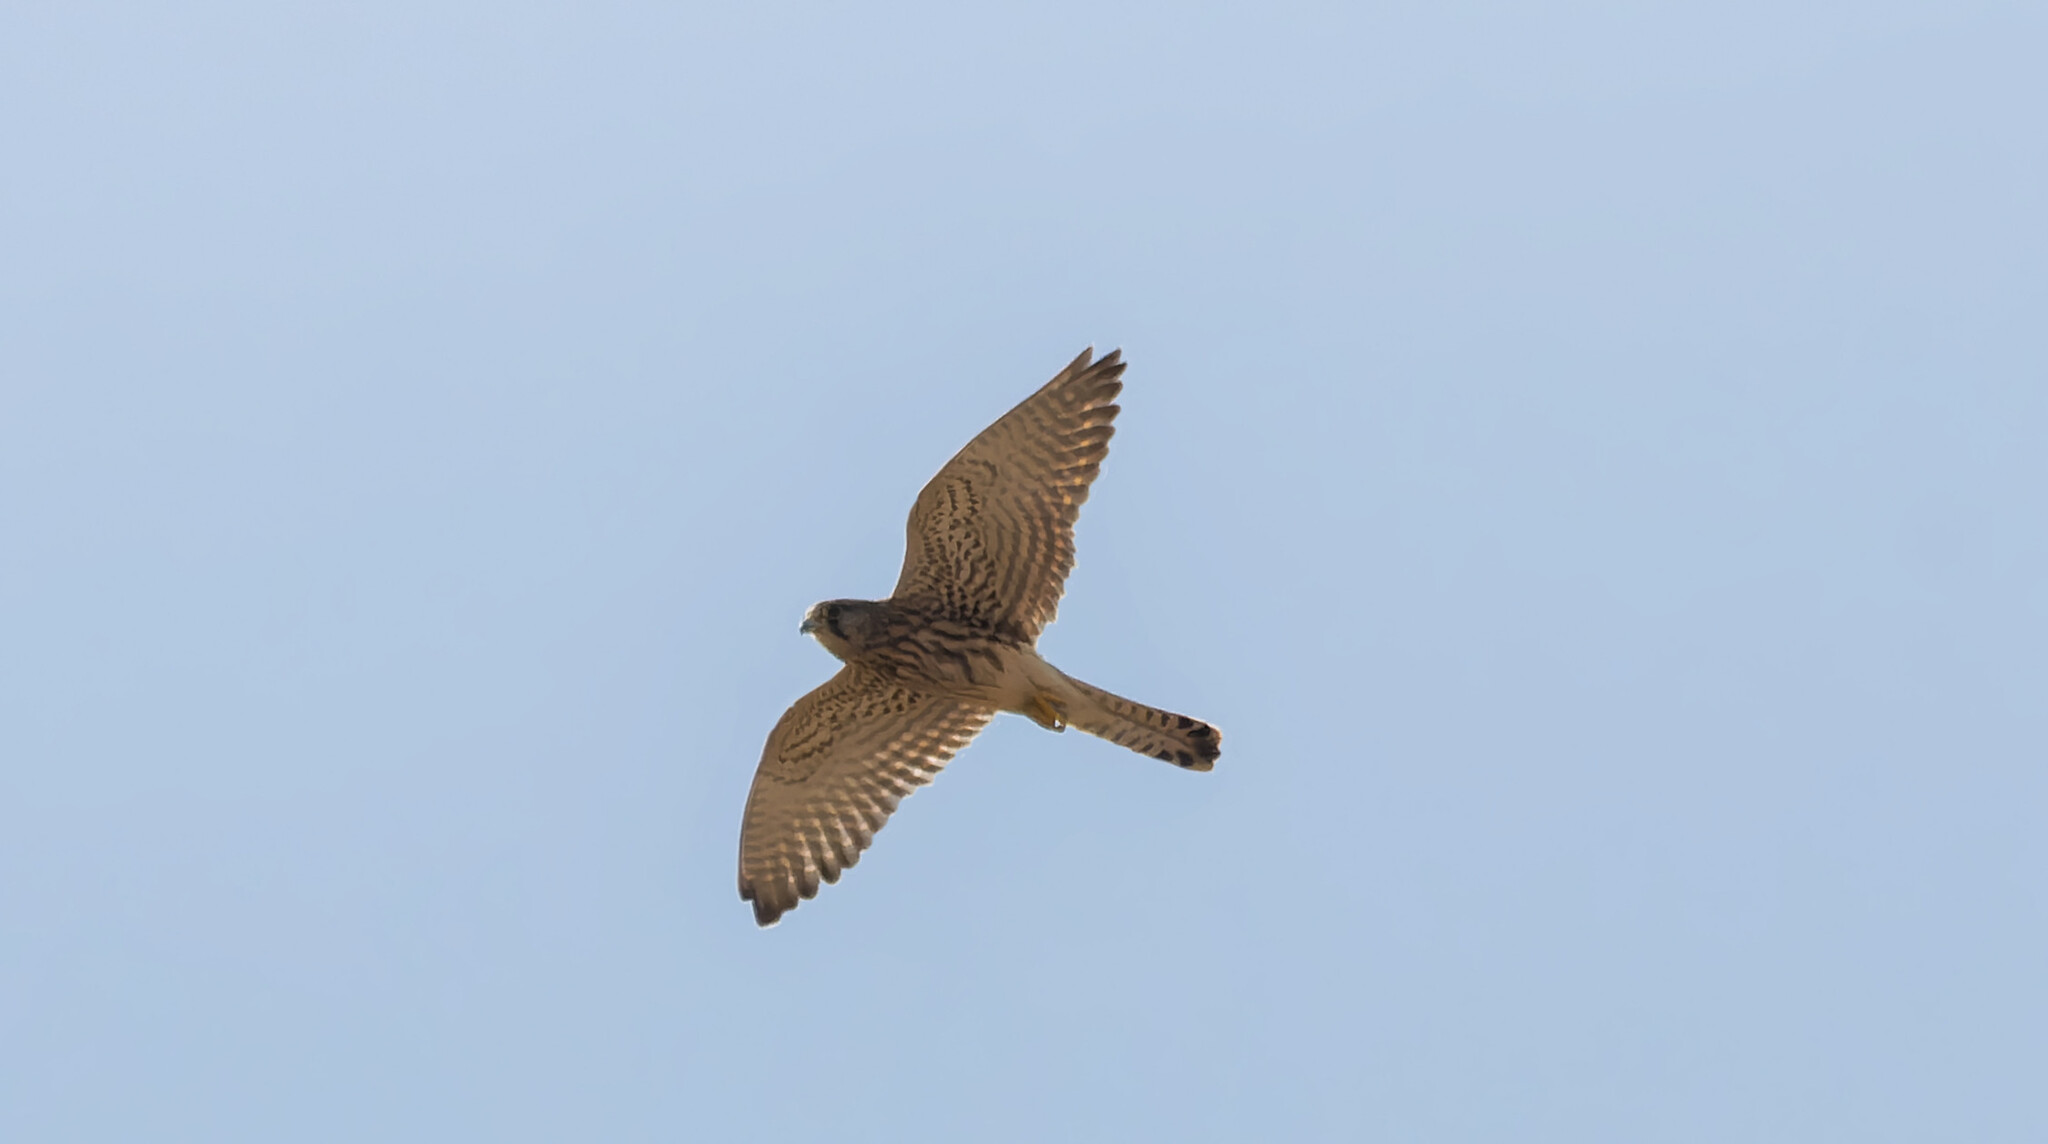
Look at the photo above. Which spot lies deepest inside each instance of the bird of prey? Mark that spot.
(991, 543)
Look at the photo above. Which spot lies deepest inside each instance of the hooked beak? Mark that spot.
(807, 627)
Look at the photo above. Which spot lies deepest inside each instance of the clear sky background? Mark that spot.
(1588, 458)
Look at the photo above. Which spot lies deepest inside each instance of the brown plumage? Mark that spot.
(991, 540)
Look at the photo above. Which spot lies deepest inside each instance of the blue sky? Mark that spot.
(1588, 459)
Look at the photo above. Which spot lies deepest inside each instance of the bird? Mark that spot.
(990, 543)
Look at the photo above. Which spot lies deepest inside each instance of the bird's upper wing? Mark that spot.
(992, 535)
(835, 767)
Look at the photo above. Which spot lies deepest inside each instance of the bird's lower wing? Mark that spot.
(835, 767)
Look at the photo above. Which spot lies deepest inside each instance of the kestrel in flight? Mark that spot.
(991, 543)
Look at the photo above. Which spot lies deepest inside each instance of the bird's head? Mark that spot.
(838, 624)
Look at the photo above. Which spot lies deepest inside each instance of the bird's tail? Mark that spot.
(1179, 739)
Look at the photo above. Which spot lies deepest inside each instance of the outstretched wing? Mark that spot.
(992, 535)
(834, 769)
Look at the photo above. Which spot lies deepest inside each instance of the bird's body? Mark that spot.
(990, 545)
(918, 645)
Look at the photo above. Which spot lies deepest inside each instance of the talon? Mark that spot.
(1047, 713)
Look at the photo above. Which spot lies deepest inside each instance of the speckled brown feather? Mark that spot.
(991, 537)
(835, 768)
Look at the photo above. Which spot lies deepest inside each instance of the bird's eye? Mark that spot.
(832, 613)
